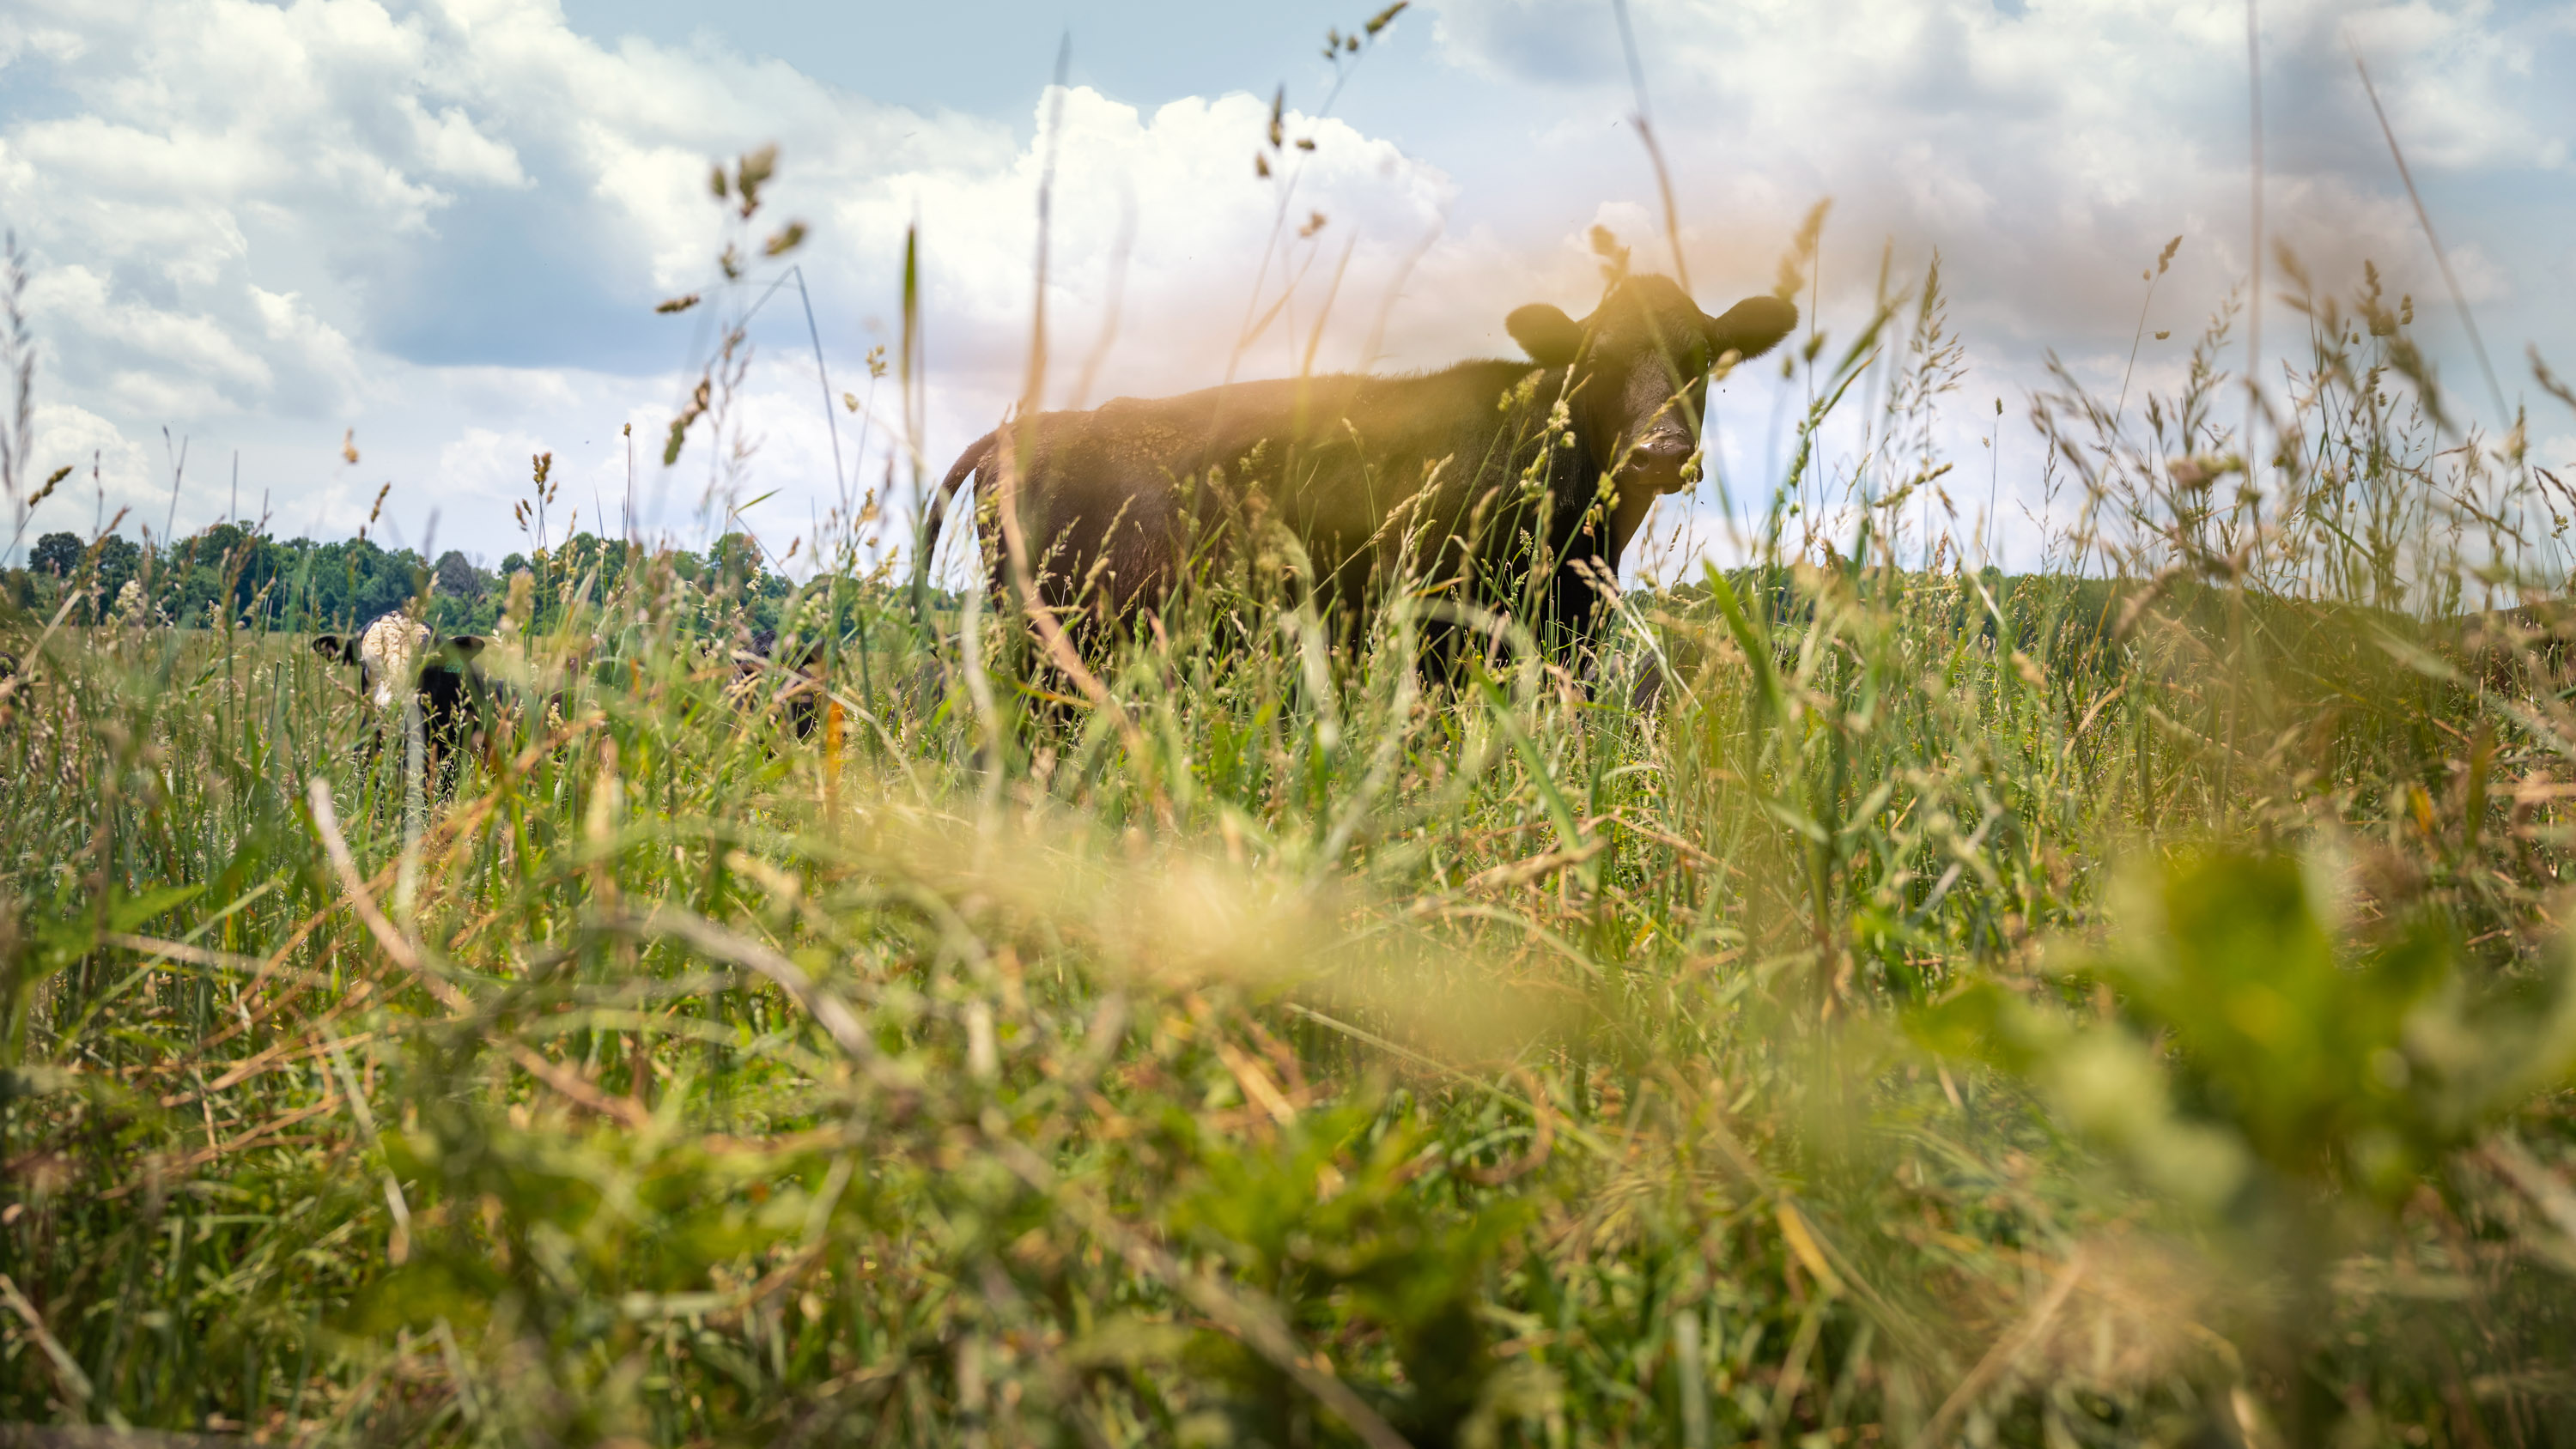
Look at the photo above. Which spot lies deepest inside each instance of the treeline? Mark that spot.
(299, 585)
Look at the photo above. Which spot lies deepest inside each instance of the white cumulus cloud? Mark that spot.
(444, 224)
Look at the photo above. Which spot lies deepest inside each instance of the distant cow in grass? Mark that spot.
(794, 683)
(1508, 486)
(400, 659)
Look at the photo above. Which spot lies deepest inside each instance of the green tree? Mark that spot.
(458, 577)
(57, 554)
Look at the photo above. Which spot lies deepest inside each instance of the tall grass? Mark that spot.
(2117, 1004)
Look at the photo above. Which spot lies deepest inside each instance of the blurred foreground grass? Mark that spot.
(2120, 1004)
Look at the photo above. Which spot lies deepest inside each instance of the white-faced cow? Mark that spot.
(400, 659)
(1508, 486)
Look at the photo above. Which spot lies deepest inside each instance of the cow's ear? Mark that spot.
(1751, 327)
(463, 647)
(1549, 336)
(334, 648)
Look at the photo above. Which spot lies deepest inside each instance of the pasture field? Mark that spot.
(2124, 1003)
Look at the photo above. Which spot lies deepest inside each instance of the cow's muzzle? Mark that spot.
(1660, 461)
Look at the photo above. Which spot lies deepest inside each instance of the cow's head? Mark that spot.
(1642, 361)
(393, 648)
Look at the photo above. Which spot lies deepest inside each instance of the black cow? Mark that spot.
(398, 657)
(794, 685)
(1510, 486)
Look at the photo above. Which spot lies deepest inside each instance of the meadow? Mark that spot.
(2120, 1003)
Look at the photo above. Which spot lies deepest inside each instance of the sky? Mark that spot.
(263, 238)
